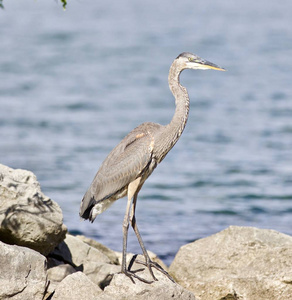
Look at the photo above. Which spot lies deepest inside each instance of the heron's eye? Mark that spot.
(190, 59)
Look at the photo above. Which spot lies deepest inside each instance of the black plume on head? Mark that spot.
(187, 55)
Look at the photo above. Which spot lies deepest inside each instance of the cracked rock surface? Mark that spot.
(23, 273)
(28, 217)
(237, 263)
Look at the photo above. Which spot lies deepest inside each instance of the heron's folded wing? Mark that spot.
(127, 161)
(124, 164)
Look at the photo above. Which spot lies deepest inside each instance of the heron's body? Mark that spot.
(132, 161)
(110, 186)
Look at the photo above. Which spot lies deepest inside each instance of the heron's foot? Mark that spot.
(152, 264)
(132, 274)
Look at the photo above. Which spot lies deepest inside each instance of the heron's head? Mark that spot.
(192, 61)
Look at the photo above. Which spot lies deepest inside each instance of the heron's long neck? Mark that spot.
(182, 103)
(174, 129)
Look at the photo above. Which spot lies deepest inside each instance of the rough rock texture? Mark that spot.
(22, 273)
(237, 263)
(105, 250)
(121, 287)
(80, 254)
(75, 287)
(27, 217)
(100, 270)
(83, 258)
(57, 274)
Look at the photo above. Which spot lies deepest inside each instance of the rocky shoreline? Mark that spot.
(39, 259)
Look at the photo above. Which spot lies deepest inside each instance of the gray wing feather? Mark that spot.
(124, 164)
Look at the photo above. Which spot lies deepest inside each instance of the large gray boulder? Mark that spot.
(237, 263)
(22, 273)
(27, 217)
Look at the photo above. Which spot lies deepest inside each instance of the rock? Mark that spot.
(105, 250)
(23, 273)
(27, 217)
(80, 254)
(99, 270)
(82, 257)
(57, 274)
(75, 287)
(121, 287)
(237, 263)
(104, 275)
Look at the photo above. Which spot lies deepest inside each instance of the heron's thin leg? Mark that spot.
(125, 234)
(135, 228)
(148, 262)
(133, 186)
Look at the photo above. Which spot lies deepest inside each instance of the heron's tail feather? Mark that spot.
(91, 207)
(86, 206)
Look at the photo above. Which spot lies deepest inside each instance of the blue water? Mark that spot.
(74, 83)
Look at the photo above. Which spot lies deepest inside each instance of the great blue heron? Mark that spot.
(132, 161)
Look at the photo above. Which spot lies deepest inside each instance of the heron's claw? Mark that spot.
(132, 274)
(152, 264)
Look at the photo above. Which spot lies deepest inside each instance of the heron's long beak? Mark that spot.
(209, 65)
